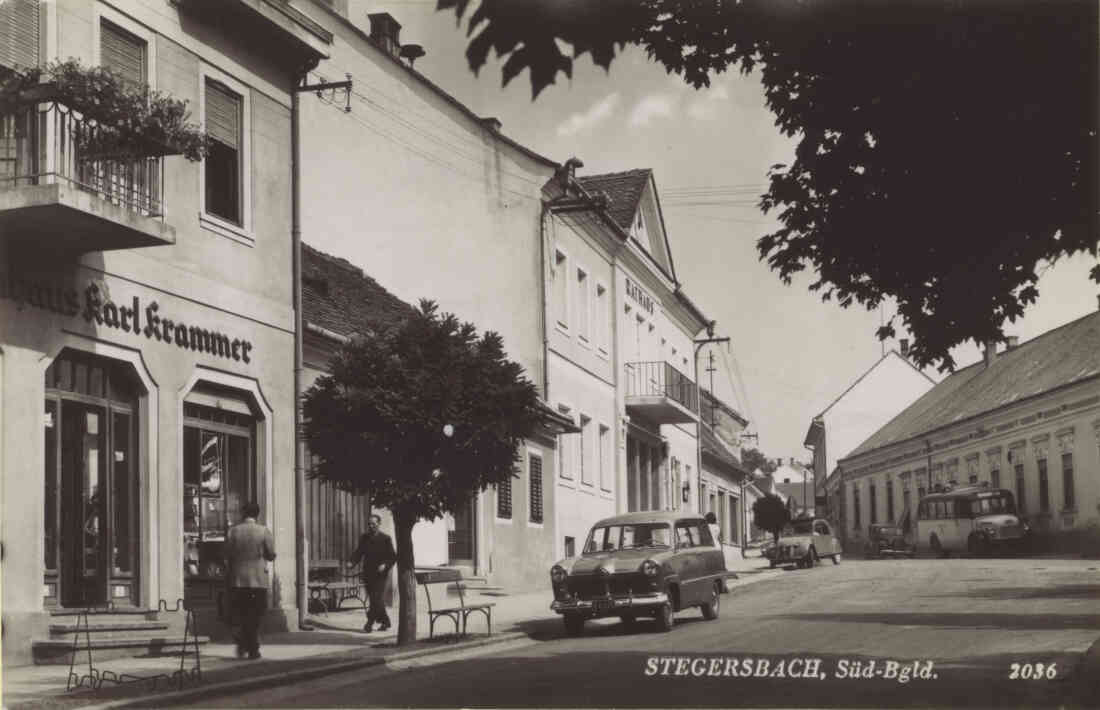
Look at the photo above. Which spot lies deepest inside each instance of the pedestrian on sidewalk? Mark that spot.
(715, 529)
(248, 549)
(377, 555)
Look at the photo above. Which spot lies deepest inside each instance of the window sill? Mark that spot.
(227, 229)
(503, 521)
(533, 524)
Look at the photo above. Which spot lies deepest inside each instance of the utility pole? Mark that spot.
(711, 369)
(301, 550)
(699, 406)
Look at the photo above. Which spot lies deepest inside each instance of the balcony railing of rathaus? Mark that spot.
(41, 144)
(661, 379)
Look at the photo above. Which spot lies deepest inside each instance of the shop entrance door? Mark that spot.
(83, 482)
(461, 540)
(91, 487)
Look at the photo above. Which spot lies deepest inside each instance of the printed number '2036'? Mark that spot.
(1033, 671)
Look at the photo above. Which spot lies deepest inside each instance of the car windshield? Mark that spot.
(608, 538)
(799, 527)
(992, 503)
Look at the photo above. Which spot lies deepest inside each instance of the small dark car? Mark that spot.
(641, 564)
(887, 540)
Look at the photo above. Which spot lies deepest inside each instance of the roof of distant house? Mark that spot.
(797, 492)
(1058, 358)
(339, 297)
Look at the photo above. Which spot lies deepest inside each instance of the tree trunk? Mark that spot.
(403, 523)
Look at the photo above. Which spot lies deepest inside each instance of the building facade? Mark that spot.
(620, 332)
(436, 202)
(1026, 419)
(146, 316)
(876, 397)
(723, 479)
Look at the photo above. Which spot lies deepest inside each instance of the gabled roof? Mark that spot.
(1060, 357)
(339, 297)
(624, 192)
(872, 368)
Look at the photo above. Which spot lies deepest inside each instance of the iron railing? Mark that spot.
(661, 379)
(40, 144)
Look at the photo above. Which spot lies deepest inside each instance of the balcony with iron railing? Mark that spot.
(59, 193)
(660, 393)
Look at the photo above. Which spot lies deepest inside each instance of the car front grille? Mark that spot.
(618, 585)
(1009, 531)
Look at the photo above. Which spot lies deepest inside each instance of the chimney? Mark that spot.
(492, 123)
(792, 460)
(385, 32)
(990, 352)
(567, 173)
(1013, 342)
(905, 347)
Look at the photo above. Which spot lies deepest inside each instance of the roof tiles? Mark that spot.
(624, 192)
(338, 296)
(1063, 356)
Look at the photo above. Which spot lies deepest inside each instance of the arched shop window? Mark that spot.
(219, 476)
(91, 479)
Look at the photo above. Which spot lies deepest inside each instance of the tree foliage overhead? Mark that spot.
(378, 422)
(947, 149)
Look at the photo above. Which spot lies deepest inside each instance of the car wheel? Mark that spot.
(812, 562)
(664, 617)
(974, 544)
(937, 548)
(574, 624)
(711, 606)
(627, 619)
(836, 559)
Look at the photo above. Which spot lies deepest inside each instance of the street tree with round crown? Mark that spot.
(419, 417)
(770, 514)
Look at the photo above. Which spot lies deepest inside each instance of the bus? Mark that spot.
(974, 519)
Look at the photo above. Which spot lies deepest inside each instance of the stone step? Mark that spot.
(112, 630)
(59, 651)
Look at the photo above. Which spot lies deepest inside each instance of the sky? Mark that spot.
(790, 354)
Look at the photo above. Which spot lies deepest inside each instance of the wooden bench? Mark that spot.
(330, 586)
(426, 577)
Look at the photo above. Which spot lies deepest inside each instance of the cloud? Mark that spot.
(599, 111)
(705, 107)
(653, 106)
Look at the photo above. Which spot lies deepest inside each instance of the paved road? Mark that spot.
(956, 630)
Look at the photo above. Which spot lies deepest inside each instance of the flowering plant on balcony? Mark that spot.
(118, 119)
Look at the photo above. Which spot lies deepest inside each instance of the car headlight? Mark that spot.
(558, 574)
(650, 568)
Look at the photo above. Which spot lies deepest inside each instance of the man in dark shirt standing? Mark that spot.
(376, 552)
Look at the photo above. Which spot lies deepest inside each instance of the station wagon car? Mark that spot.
(803, 542)
(641, 564)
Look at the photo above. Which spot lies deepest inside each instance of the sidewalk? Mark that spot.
(337, 644)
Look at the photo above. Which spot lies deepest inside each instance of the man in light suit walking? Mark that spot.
(248, 549)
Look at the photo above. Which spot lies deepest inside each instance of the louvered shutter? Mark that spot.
(223, 115)
(122, 52)
(19, 33)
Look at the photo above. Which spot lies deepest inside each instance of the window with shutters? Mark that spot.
(223, 163)
(534, 474)
(123, 52)
(225, 172)
(19, 31)
(504, 498)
